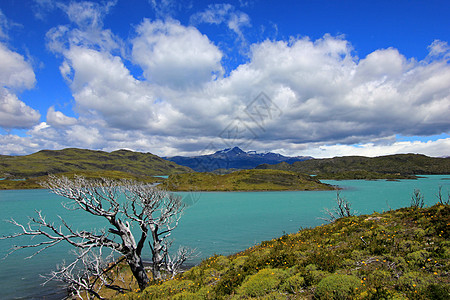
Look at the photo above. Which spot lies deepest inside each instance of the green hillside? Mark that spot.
(244, 180)
(383, 167)
(117, 164)
(402, 254)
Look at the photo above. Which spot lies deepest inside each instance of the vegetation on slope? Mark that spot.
(366, 175)
(402, 254)
(244, 180)
(34, 182)
(384, 167)
(92, 164)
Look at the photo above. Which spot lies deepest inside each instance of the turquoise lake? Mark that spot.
(214, 223)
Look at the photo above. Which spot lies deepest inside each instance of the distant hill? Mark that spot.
(232, 158)
(245, 180)
(74, 160)
(401, 164)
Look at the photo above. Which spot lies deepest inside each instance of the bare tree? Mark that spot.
(144, 207)
(417, 199)
(174, 263)
(88, 274)
(441, 197)
(342, 209)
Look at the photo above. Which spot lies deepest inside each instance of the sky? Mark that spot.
(307, 77)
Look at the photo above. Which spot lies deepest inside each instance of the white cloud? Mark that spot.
(431, 148)
(336, 98)
(86, 14)
(224, 14)
(58, 119)
(174, 55)
(14, 113)
(3, 26)
(165, 8)
(439, 48)
(329, 101)
(15, 74)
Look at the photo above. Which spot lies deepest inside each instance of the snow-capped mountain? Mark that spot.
(232, 158)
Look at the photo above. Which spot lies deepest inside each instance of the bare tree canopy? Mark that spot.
(125, 205)
(342, 209)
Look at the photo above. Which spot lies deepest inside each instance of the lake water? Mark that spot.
(214, 223)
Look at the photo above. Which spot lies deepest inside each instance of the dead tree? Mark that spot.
(160, 214)
(88, 274)
(417, 199)
(144, 207)
(342, 209)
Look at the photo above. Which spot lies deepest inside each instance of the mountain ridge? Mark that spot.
(66, 160)
(410, 164)
(232, 158)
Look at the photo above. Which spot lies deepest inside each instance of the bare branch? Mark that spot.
(342, 209)
(155, 212)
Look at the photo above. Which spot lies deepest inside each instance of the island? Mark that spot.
(245, 180)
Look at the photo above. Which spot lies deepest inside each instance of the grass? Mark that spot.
(401, 254)
(244, 180)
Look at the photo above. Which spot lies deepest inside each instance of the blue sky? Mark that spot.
(320, 78)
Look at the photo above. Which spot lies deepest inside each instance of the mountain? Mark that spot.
(232, 158)
(410, 164)
(74, 160)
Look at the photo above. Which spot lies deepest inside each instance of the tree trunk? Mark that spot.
(138, 270)
(131, 253)
(158, 260)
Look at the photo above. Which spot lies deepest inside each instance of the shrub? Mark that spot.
(261, 283)
(418, 258)
(338, 287)
(168, 288)
(293, 284)
(325, 260)
(437, 292)
(238, 262)
(313, 275)
(412, 281)
(188, 296)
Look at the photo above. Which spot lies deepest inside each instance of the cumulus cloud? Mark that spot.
(58, 119)
(174, 55)
(430, 148)
(15, 74)
(322, 100)
(324, 92)
(336, 98)
(14, 113)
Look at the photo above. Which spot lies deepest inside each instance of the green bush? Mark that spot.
(293, 284)
(437, 292)
(168, 288)
(418, 258)
(313, 276)
(338, 287)
(238, 262)
(188, 296)
(261, 283)
(411, 281)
